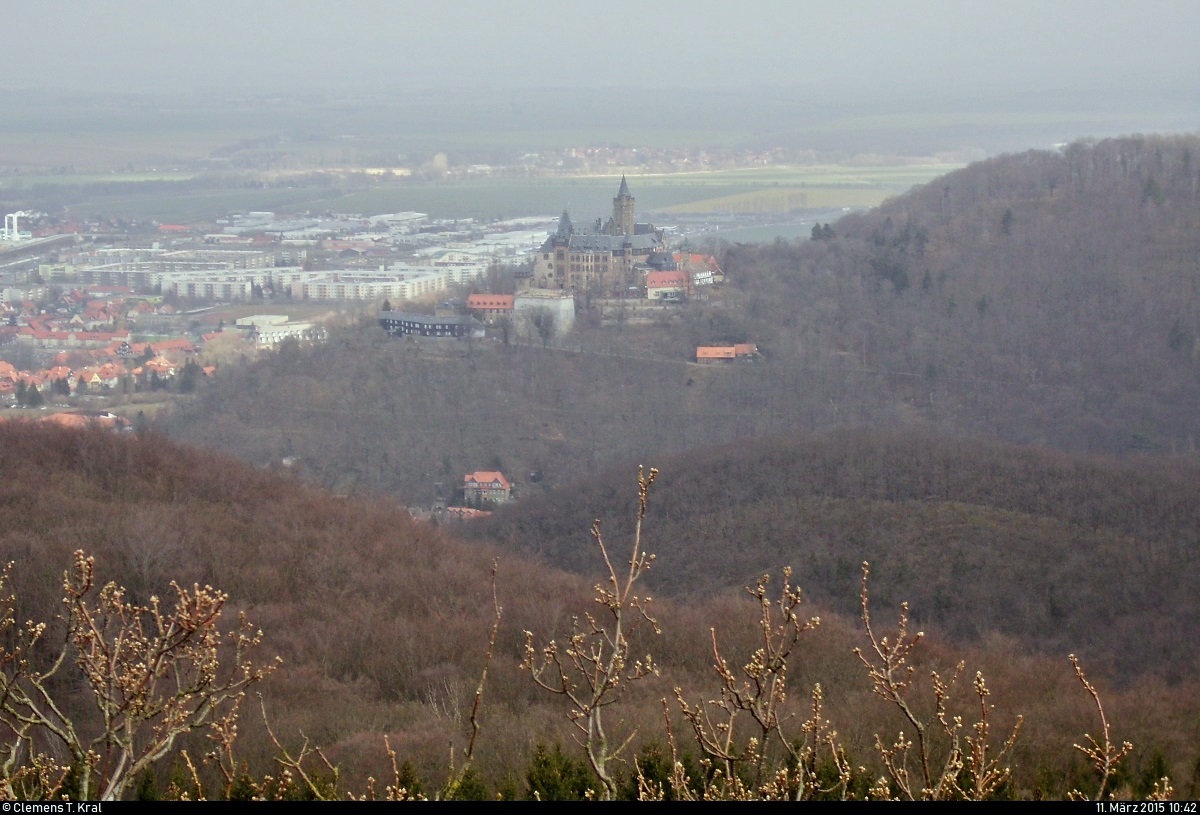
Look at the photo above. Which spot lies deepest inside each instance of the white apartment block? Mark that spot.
(370, 286)
(211, 286)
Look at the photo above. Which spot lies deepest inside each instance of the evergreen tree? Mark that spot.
(555, 776)
(188, 376)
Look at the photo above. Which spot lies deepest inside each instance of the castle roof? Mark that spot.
(564, 225)
(600, 237)
(614, 243)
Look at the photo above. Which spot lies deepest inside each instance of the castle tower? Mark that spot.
(623, 210)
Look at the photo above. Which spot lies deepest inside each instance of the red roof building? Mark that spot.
(491, 306)
(484, 487)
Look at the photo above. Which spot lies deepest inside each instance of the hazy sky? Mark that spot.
(954, 45)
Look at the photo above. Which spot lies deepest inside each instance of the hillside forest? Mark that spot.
(985, 389)
(1044, 298)
(379, 647)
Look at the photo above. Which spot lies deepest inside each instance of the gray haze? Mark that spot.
(919, 46)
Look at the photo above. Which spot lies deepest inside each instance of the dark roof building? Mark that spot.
(596, 258)
(402, 324)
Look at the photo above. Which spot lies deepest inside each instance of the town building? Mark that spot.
(486, 487)
(726, 353)
(490, 307)
(350, 285)
(673, 285)
(703, 269)
(404, 324)
(268, 330)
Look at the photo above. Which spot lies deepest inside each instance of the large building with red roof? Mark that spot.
(486, 487)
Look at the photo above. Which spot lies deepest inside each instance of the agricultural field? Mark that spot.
(68, 150)
(197, 158)
(777, 190)
(785, 190)
(18, 182)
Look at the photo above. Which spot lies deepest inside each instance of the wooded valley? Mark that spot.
(986, 388)
(382, 625)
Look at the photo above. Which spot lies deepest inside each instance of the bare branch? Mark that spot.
(1104, 755)
(595, 667)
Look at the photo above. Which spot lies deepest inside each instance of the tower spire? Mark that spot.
(565, 227)
(622, 219)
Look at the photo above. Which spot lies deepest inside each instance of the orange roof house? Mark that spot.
(491, 306)
(703, 269)
(486, 486)
(490, 301)
(668, 278)
(724, 353)
(659, 284)
(83, 420)
(711, 353)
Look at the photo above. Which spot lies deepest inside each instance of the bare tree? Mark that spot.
(1104, 754)
(760, 693)
(545, 323)
(939, 761)
(595, 667)
(152, 674)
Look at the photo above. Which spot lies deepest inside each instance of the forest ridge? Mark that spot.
(382, 625)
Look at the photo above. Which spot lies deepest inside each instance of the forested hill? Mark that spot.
(1050, 297)
(383, 622)
(1063, 552)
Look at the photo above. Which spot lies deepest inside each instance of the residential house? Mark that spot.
(702, 269)
(490, 307)
(666, 285)
(486, 487)
(726, 353)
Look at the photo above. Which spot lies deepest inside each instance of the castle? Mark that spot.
(597, 259)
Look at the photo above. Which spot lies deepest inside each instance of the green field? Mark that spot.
(759, 190)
